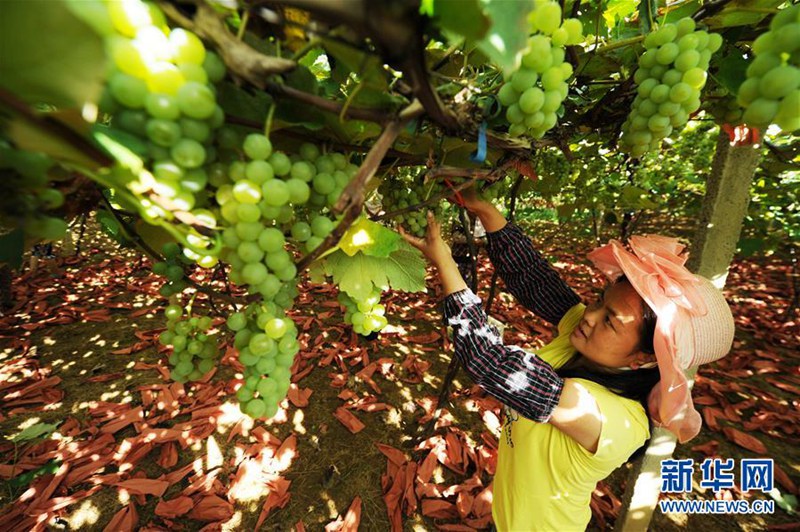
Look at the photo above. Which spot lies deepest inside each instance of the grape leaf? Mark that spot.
(238, 102)
(316, 272)
(367, 67)
(369, 238)
(49, 55)
(406, 269)
(507, 38)
(732, 68)
(742, 13)
(403, 270)
(464, 17)
(356, 275)
(618, 9)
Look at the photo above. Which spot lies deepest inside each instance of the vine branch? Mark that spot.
(240, 58)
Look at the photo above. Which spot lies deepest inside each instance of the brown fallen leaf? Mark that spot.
(349, 420)
(144, 486)
(747, 441)
(174, 507)
(212, 508)
(124, 520)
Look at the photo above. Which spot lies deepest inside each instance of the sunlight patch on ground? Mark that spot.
(86, 514)
(213, 454)
(297, 420)
(234, 523)
(48, 341)
(331, 504)
(393, 417)
(28, 423)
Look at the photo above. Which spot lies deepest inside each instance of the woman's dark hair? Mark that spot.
(634, 384)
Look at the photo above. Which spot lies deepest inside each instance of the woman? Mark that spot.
(580, 406)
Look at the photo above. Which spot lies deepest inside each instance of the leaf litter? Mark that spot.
(356, 408)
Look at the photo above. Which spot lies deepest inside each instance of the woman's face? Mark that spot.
(610, 331)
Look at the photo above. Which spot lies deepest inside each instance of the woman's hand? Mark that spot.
(432, 246)
(470, 199)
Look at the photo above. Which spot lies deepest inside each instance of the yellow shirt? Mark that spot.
(544, 478)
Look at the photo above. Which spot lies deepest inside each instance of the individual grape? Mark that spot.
(188, 153)
(196, 100)
(162, 106)
(271, 240)
(128, 90)
(257, 147)
(276, 192)
(214, 67)
(163, 132)
(186, 47)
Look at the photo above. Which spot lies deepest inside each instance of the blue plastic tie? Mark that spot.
(480, 155)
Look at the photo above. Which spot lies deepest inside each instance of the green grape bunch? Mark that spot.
(725, 109)
(401, 193)
(534, 93)
(160, 91)
(672, 72)
(771, 92)
(367, 316)
(172, 267)
(26, 194)
(267, 343)
(194, 348)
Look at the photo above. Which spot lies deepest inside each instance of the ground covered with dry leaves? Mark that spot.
(356, 444)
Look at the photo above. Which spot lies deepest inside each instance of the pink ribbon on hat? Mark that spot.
(657, 272)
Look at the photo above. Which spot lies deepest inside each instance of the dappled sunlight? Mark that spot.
(87, 513)
(214, 457)
(330, 504)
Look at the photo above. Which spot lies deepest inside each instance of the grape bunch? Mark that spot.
(367, 316)
(534, 93)
(160, 90)
(194, 348)
(401, 193)
(267, 343)
(171, 268)
(725, 109)
(273, 203)
(672, 72)
(771, 92)
(25, 194)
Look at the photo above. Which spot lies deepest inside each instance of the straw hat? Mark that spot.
(694, 323)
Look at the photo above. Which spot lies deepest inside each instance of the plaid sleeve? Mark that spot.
(528, 276)
(517, 378)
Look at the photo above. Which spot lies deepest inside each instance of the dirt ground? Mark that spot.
(330, 466)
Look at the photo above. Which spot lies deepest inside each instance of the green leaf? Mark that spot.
(368, 67)
(111, 226)
(648, 11)
(116, 145)
(403, 270)
(301, 78)
(316, 272)
(26, 478)
(11, 247)
(741, 13)
(319, 67)
(731, 69)
(750, 246)
(34, 431)
(356, 275)
(49, 55)
(507, 38)
(618, 9)
(236, 101)
(464, 17)
(370, 238)
(406, 269)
